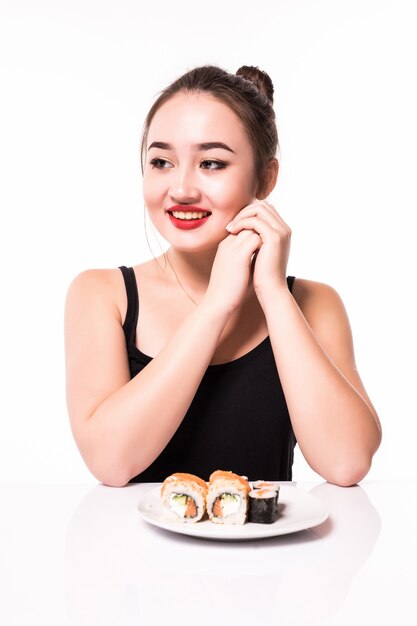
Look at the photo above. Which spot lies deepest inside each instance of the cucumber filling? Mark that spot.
(226, 504)
(183, 505)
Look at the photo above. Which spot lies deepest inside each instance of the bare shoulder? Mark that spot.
(103, 287)
(326, 315)
(95, 279)
(317, 300)
(106, 288)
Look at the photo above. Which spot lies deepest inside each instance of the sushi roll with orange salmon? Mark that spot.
(266, 484)
(263, 504)
(184, 497)
(227, 498)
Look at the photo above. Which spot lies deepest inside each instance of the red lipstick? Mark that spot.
(187, 223)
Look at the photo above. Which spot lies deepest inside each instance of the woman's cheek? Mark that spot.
(150, 191)
(232, 193)
(236, 201)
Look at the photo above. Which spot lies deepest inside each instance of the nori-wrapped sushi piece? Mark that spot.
(265, 484)
(263, 506)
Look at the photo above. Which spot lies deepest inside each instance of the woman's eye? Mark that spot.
(159, 164)
(208, 163)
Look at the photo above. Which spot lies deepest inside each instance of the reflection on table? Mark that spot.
(120, 570)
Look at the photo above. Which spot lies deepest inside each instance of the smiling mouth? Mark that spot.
(190, 219)
(189, 215)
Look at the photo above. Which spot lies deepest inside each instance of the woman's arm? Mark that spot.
(336, 426)
(122, 425)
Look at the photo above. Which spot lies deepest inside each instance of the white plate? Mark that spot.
(298, 510)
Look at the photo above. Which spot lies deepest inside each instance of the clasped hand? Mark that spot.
(256, 230)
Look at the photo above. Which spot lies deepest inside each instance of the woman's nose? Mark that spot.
(184, 185)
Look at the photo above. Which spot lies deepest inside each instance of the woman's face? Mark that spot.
(199, 171)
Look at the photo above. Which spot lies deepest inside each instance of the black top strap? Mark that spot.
(132, 312)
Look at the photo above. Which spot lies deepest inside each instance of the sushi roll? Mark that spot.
(184, 497)
(227, 498)
(263, 506)
(265, 484)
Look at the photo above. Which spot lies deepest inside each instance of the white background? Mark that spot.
(77, 79)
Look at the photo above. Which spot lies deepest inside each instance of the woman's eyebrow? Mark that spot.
(208, 145)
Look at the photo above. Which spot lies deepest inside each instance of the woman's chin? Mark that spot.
(194, 244)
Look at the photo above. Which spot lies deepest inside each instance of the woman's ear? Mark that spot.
(271, 176)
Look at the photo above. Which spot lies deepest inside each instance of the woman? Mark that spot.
(173, 365)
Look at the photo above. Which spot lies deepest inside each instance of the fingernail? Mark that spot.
(229, 227)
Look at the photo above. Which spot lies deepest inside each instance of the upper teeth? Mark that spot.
(190, 215)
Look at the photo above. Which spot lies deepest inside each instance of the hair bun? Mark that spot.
(260, 79)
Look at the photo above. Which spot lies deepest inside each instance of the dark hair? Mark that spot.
(249, 93)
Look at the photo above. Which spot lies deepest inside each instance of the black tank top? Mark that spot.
(238, 419)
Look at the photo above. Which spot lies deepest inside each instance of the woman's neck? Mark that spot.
(193, 268)
(190, 271)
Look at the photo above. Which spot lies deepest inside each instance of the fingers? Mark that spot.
(254, 224)
(246, 242)
(266, 229)
(264, 211)
(248, 239)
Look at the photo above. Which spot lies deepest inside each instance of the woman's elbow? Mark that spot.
(350, 473)
(113, 479)
(350, 469)
(105, 460)
(109, 476)
(111, 472)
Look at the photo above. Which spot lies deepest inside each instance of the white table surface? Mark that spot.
(80, 554)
